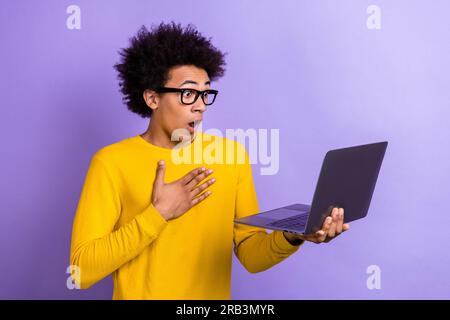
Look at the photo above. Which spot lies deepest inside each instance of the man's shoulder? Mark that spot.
(114, 151)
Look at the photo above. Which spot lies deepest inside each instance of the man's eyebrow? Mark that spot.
(193, 82)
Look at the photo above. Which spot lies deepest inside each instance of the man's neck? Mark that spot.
(158, 140)
(157, 136)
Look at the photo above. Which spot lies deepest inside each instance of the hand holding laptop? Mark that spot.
(332, 227)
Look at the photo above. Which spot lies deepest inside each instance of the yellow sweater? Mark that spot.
(117, 230)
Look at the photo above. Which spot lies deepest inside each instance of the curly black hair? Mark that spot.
(145, 64)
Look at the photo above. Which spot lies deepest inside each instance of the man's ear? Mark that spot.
(151, 99)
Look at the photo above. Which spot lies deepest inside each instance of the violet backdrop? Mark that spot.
(311, 69)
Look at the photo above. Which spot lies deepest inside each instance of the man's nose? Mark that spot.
(199, 106)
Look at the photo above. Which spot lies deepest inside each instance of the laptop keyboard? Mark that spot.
(294, 222)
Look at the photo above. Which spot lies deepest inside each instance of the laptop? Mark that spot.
(347, 180)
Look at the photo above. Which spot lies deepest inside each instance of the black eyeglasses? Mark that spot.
(189, 96)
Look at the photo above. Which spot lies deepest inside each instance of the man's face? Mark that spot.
(172, 114)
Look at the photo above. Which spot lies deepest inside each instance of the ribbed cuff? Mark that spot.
(151, 221)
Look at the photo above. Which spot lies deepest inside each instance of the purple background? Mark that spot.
(310, 68)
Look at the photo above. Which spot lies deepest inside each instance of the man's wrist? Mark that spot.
(292, 240)
(165, 215)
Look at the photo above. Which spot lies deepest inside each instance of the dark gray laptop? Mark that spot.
(347, 180)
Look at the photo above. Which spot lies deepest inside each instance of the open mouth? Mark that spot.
(194, 125)
(191, 126)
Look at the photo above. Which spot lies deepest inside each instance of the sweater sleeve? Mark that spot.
(256, 249)
(97, 248)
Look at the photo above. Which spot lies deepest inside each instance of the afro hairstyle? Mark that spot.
(146, 63)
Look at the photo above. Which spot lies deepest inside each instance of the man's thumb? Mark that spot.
(160, 170)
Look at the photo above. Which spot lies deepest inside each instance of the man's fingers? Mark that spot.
(329, 228)
(191, 185)
(202, 187)
(159, 177)
(191, 175)
(327, 224)
(334, 215)
(340, 221)
(320, 236)
(200, 198)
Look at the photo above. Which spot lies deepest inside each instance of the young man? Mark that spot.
(165, 229)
